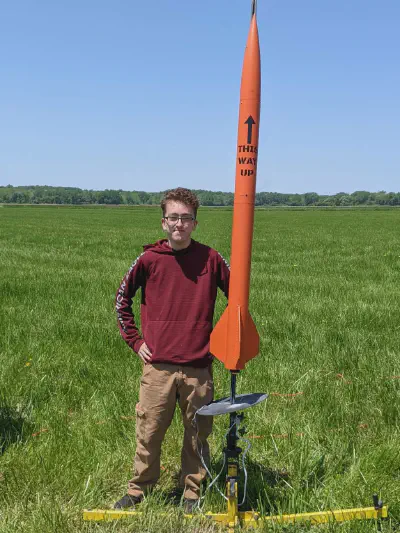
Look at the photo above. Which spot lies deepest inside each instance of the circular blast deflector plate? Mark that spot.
(224, 405)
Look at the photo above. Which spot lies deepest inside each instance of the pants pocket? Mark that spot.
(140, 423)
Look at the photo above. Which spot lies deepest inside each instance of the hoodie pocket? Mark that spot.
(179, 341)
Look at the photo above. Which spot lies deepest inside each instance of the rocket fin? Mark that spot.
(235, 339)
(219, 337)
(251, 340)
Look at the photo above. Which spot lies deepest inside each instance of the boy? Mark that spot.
(178, 278)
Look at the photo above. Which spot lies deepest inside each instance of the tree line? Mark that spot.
(42, 194)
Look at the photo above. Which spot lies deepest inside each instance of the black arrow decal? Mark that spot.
(249, 122)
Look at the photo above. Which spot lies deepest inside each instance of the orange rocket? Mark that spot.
(235, 340)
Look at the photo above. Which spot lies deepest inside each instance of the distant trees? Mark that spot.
(108, 197)
(360, 197)
(38, 194)
(311, 198)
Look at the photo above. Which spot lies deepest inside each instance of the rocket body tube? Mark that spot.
(234, 339)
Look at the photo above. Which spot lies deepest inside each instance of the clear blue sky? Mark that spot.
(144, 94)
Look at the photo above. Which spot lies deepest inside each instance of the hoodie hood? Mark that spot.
(162, 247)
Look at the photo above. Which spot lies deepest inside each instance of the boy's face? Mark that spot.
(178, 230)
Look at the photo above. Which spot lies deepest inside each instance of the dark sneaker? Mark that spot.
(127, 502)
(189, 506)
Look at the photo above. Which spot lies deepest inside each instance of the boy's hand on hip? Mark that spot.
(145, 354)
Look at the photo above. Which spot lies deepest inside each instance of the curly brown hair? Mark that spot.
(180, 194)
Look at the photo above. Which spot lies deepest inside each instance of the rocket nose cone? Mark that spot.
(253, 30)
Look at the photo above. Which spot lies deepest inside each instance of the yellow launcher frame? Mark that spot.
(233, 517)
(249, 518)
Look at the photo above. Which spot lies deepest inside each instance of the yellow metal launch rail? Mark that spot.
(233, 517)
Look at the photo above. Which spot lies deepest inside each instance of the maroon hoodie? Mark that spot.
(179, 288)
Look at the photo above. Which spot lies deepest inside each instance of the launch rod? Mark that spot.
(233, 387)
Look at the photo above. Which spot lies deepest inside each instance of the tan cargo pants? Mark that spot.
(161, 386)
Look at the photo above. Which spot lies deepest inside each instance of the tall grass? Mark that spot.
(325, 297)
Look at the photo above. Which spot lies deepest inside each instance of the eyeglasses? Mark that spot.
(185, 219)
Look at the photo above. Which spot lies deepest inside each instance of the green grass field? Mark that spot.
(326, 300)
